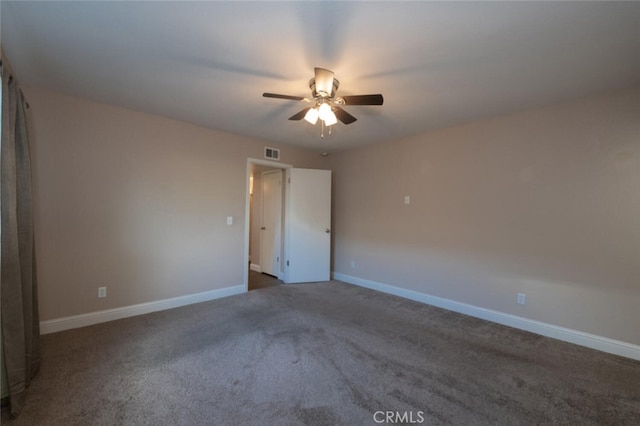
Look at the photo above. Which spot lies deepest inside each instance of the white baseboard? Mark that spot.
(592, 341)
(255, 267)
(91, 318)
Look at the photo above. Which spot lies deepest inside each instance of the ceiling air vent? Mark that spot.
(271, 153)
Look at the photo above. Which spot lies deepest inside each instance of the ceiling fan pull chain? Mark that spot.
(322, 132)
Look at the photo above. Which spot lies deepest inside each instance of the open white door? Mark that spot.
(309, 226)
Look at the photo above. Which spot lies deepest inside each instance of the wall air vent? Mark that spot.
(271, 153)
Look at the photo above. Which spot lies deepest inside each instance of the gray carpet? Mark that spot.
(322, 354)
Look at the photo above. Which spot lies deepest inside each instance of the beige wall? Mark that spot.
(135, 202)
(544, 202)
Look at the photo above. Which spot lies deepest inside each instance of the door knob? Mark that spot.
(328, 231)
(263, 228)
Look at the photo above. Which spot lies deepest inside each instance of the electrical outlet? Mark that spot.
(102, 292)
(353, 264)
(521, 299)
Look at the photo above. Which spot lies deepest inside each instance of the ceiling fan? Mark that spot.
(326, 105)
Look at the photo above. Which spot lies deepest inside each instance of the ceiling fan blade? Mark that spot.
(324, 81)
(343, 115)
(300, 115)
(275, 95)
(363, 100)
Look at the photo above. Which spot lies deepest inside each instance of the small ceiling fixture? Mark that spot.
(327, 107)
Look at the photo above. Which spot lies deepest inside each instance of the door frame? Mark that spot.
(247, 212)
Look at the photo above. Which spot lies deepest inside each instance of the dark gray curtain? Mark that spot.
(18, 292)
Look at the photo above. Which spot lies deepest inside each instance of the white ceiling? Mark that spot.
(436, 63)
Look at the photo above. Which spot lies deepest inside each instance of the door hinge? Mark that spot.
(278, 259)
(287, 263)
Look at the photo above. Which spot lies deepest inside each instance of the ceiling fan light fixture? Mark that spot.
(324, 111)
(312, 116)
(330, 119)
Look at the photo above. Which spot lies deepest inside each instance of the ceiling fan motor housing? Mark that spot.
(316, 95)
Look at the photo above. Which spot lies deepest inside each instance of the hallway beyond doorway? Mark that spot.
(259, 281)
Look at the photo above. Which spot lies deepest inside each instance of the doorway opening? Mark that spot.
(266, 223)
